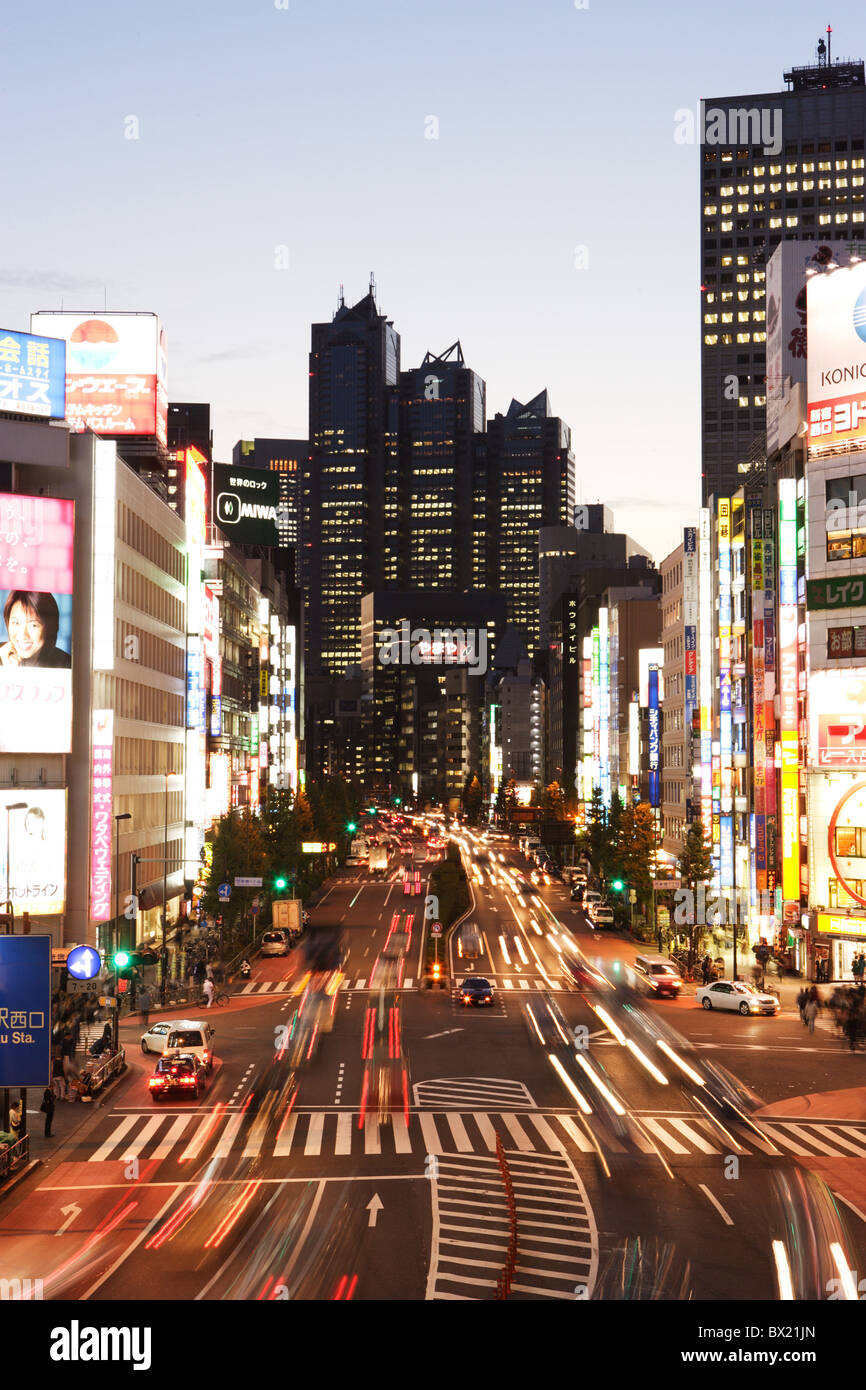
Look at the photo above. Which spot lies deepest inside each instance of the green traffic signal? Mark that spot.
(121, 959)
(351, 827)
(617, 885)
(280, 883)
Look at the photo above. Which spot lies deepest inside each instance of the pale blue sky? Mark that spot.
(305, 127)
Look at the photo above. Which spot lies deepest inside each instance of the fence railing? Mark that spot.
(14, 1156)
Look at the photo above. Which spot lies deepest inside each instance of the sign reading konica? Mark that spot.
(245, 503)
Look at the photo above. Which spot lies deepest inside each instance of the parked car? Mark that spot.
(592, 900)
(602, 916)
(274, 944)
(737, 996)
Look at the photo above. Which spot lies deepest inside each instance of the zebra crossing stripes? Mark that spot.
(557, 1248)
(274, 987)
(483, 1092)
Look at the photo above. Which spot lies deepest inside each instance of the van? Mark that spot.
(189, 1035)
(591, 900)
(603, 917)
(531, 845)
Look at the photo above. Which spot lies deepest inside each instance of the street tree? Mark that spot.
(696, 870)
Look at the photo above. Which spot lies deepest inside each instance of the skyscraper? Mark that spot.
(530, 483)
(775, 166)
(442, 415)
(350, 484)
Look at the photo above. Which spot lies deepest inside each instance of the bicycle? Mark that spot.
(220, 1000)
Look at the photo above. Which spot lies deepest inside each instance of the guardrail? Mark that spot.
(14, 1156)
(98, 1074)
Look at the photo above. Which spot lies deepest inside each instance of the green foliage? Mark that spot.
(553, 802)
(473, 796)
(696, 862)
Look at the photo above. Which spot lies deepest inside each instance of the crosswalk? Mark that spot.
(201, 1134)
(473, 1092)
(557, 1240)
(259, 987)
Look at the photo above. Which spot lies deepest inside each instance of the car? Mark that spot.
(191, 1035)
(592, 899)
(274, 944)
(602, 916)
(658, 976)
(154, 1039)
(475, 990)
(737, 996)
(416, 884)
(407, 887)
(577, 892)
(546, 1023)
(178, 1071)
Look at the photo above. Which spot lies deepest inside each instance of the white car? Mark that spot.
(154, 1039)
(734, 994)
(274, 944)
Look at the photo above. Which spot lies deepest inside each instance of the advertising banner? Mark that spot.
(37, 856)
(101, 815)
(837, 358)
(32, 375)
(788, 689)
(36, 537)
(25, 1011)
(245, 502)
(654, 741)
(115, 371)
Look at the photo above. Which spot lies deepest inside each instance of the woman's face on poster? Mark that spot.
(26, 632)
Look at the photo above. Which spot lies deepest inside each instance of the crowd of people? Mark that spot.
(846, 1004)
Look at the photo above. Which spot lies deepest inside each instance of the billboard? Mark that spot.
(32, 375)
(837, 358)
(37, 855)
(115, 371)
(788, 689)
(36, 536)
(654, 736)
(25, 1011)
(245, 503)
(837, 719)
(101, 791)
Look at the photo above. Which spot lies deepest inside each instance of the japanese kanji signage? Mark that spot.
(25, 1011)
(32, 375)
(101, 815)
(837, 357)
(845, 642)
(36, 540)
(245, 501)
(115, 371)
(846, 591)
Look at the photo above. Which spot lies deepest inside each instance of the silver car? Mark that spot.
(736, 996)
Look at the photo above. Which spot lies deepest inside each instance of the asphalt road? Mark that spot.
(375, 1158)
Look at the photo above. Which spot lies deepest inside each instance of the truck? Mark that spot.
(378, 860)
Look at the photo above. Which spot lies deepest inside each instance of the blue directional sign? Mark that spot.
(25, 1011)
(224, 892)
(83, 963)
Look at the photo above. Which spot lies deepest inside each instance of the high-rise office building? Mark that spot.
(775, 166)
(530, 483)
(442, 415)
(189, 427)
(350, 496)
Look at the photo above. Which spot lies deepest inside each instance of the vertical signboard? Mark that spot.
(604, 702)
(690, 656)
(25, 1011)
(104, 533)
(596, 711)
(726, 804)
(654, 741)
(758, 824)
(705, 670)
(788, 693)
(770, 691)
(102, 750)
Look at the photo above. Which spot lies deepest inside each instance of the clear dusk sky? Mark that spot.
(305, 127)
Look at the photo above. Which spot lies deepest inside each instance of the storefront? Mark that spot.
(836, 939)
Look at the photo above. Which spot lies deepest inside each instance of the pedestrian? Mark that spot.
(706, 969)
(209, 971)
(47, 1108)
(16, 1118)
(811, 1010)
(70, 1066)
(208, 991)
(802, 999)
(144, 1005)
(199, 972)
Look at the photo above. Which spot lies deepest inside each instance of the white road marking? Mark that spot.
(718, 1206)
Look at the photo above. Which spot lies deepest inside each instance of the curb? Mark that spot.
(19, 1177)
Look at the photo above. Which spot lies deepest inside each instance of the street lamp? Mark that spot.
(122, 815)
(15, 806)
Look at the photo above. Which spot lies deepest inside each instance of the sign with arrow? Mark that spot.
(374, 1206)
(83, 963)
(224, 892)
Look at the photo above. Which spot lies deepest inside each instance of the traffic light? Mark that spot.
(351, 827)
(120, 960)
(398, 801)
(437, 971)
(617, 885)
(280, 883)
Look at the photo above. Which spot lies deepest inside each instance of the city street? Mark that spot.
(281, 1182)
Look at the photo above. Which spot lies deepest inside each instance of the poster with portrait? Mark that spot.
(37, 854)
(36, 564)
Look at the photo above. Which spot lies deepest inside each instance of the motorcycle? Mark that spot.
(245, 970)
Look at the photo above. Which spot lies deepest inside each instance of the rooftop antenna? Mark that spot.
(829, 32)
(372, 285)
(342, 298)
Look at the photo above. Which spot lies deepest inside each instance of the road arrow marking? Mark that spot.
(428, 1036)
(374, 1206)
(70, 1212)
